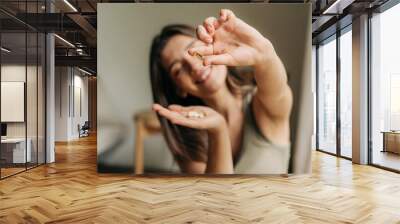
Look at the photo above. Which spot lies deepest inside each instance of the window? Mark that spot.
(22, 101)
(326, 136)
(385, 89)
(346, 93)
(333, 137)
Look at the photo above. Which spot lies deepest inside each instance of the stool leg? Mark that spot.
(140, 135)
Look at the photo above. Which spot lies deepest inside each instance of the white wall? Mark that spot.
(12, 73)
(79, 117)
(33, 127)
(68, 82)
(61, 103)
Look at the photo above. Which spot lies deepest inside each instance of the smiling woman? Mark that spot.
(217, 81)
(245, 122)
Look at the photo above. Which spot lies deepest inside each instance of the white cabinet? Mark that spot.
(18, 145)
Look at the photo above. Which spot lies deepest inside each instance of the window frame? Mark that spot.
(334, 37)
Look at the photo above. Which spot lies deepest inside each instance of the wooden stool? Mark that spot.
(146, 124)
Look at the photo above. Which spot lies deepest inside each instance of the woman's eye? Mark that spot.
(177, 71)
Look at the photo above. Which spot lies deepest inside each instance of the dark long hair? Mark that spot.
(185, 143)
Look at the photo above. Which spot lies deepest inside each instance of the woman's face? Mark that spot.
(188, 72)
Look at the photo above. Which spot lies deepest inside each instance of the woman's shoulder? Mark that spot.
(258, 153)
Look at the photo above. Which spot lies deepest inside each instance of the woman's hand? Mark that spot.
(197, 117)
(219, 160)
(230, 41)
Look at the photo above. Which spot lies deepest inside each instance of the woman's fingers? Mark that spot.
(202, 50)
(221, 59)
(191, 112)
(203, 35)
(175, 114)
(157, 107)
(211, 24)
(225, 15)
(177, 108)
(170, 115)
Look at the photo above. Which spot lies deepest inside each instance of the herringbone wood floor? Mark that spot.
(71, 191)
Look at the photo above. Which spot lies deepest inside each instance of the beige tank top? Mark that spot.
(258, 154)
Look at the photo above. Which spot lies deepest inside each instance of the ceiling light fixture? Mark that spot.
(65, 41)
(329, 9)
(5, 50)
(79, 51)
(84, 71)
(70, 5)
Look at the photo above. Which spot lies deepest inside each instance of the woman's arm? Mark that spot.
(192, 167)
(219, 152)
(233, 42)
(273, 100)
(274, 95)
(220, 159)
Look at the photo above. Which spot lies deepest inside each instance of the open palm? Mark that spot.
(179, 115)
(230, 41)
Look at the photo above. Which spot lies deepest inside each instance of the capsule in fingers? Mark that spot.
(199, 56)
